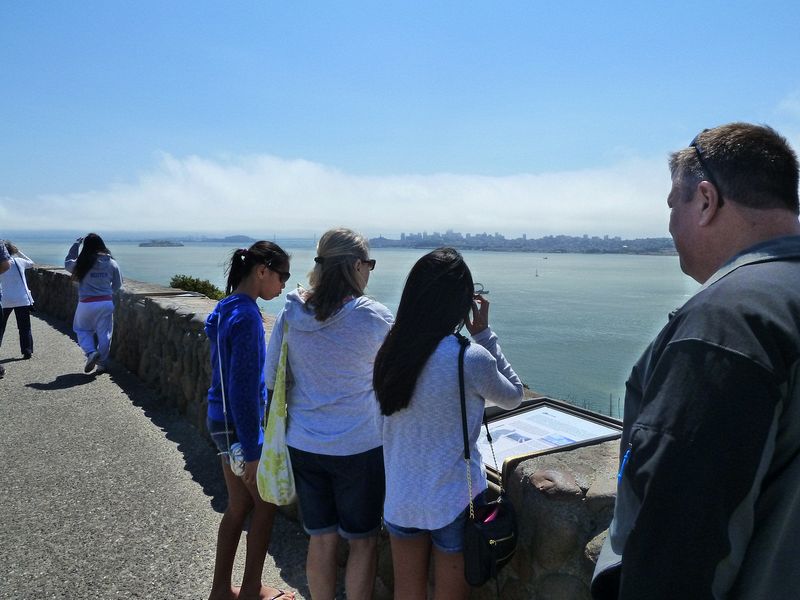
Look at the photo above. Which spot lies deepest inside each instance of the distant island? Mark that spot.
(231, 239)
(551, 243)
(160, 244)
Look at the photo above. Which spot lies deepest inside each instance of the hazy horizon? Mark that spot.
(135, 236)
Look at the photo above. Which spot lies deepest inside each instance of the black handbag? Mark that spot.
(490, 532)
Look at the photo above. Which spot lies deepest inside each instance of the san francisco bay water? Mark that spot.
(572, 325)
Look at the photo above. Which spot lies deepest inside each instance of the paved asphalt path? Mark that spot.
(103, 494)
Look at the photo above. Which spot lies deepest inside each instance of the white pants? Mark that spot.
(94, 318)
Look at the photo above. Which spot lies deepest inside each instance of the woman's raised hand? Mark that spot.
(480, 315)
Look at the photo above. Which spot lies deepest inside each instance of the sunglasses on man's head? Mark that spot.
(706, 170)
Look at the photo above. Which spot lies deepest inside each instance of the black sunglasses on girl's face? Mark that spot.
(283, 275)
(370, 263)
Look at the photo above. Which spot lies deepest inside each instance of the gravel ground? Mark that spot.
(103, 493)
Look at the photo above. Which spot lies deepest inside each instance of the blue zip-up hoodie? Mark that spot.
(243, 351)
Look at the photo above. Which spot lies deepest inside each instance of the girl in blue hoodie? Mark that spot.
(236, 404)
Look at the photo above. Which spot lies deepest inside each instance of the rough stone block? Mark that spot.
(562, 587)
(557, 484)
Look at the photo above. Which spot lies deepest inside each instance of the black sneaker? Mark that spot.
(26, 355)
(91, 361)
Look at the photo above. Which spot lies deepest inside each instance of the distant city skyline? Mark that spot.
(274, 117)
(587, 244)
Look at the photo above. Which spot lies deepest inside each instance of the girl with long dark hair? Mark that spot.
(236, 403)
(99, 281)
(417, 387)
(334, 426)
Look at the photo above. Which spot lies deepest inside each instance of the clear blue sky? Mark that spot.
(501, 116)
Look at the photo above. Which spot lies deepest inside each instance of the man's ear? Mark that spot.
(709, 202)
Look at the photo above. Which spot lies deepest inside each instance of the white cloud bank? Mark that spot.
(260, 195)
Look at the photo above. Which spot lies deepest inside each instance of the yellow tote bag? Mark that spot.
(274, 476)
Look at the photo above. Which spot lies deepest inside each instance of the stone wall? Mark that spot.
(158, 335)
(564, 500)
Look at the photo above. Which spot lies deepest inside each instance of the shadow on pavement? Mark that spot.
(62, 382)
(10, 360)
(289, 543)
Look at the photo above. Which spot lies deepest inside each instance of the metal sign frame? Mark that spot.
(510, 462)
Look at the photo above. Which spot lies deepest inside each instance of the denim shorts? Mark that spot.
(341, 494)
(217, 431)
(448, 539)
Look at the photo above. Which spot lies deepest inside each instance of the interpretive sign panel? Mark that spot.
(542, 426)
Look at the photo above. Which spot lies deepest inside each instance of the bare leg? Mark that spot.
(448, 576)
(258, 537)
(362, 564)
(410, 559)
(321, 565)
(230, 531)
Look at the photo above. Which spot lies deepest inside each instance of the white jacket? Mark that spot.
(331, 403)
(14, 285)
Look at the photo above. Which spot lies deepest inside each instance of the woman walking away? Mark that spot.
(236, 403)
(99, 281)
(334, 426)
(416, 382)
(17, 297)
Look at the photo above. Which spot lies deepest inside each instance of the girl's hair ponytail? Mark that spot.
(244, 259)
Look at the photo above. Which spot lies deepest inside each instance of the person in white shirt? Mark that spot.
(17, 298)
(5, 263)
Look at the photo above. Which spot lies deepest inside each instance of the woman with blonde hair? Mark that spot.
(334, 426)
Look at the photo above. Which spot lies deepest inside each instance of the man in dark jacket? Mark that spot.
(708, 498)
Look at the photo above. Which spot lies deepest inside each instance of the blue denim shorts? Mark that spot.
(217, 431)
(449, 539)
(341, 494)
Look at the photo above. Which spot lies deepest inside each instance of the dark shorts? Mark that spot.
(341, 494)
(449, 538)
(217, 431)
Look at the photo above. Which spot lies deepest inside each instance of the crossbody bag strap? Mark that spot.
(281, 360)
(222, 387)
(464, 342)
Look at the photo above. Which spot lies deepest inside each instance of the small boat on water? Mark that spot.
(160, 244)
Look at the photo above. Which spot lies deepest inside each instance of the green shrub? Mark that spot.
(193, 284)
